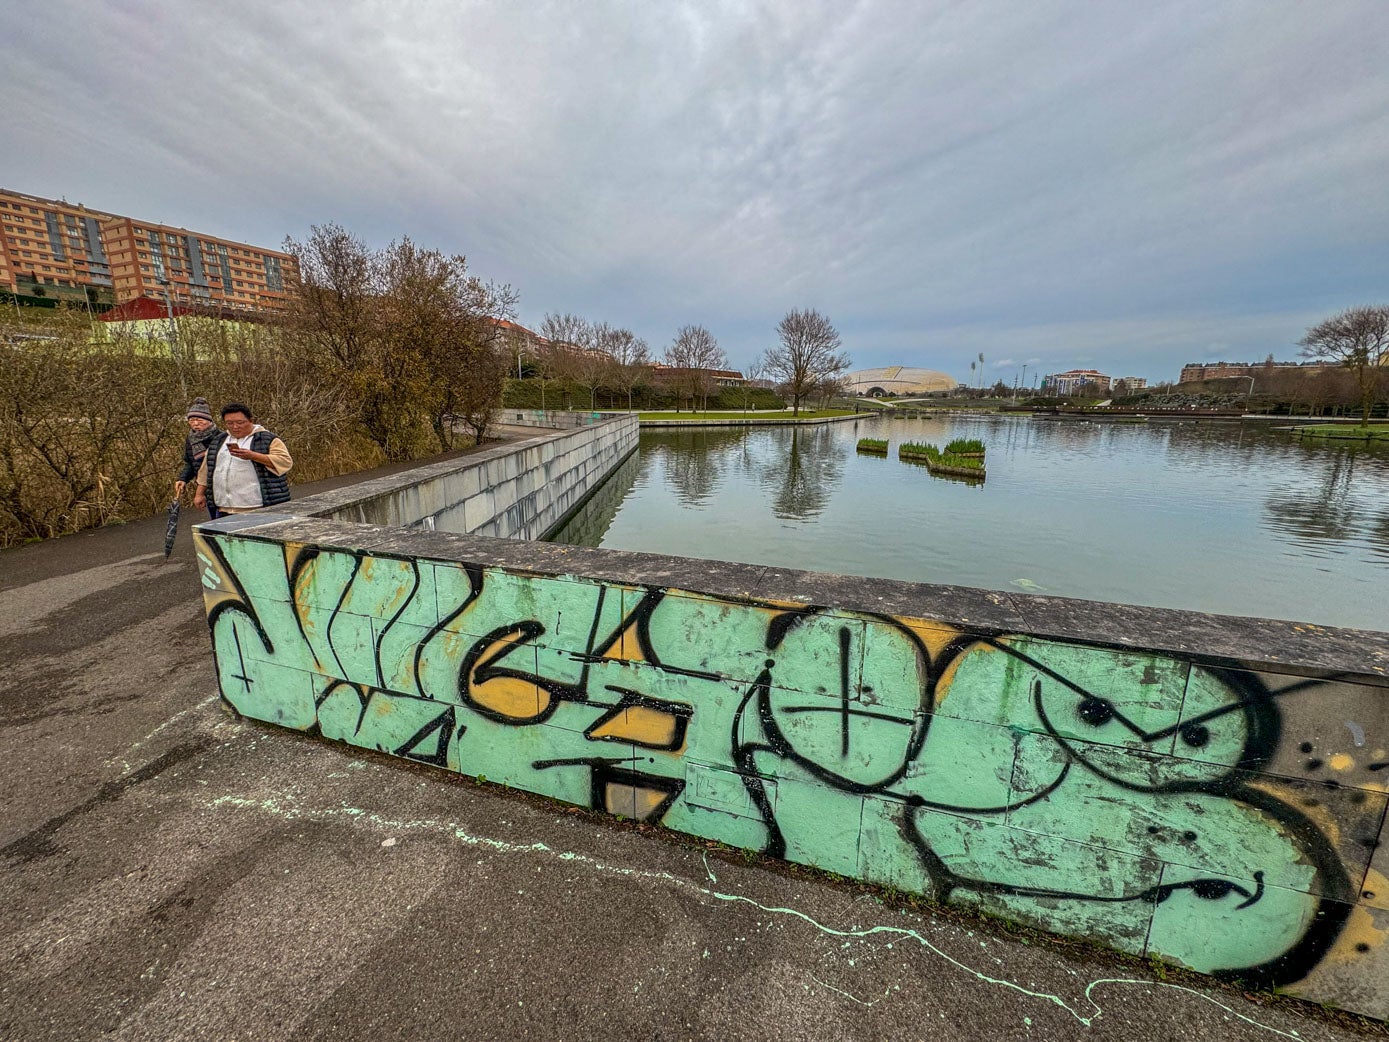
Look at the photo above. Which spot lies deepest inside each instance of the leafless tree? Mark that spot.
(1357, 339)
(808, 354)
(753, 374)
(695, 353)
(629, 356)
(332, 302)
(567, 335)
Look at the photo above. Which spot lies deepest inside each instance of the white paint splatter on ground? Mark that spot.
(285, 807)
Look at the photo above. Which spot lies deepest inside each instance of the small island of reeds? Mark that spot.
(874, 445)
(971, 448)
(943, 462)
(1344, 432)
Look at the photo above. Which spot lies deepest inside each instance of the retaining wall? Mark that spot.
(552, 418)
(515, 490)
(1209, 790)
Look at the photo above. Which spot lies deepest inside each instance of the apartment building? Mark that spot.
(54, 249)
(1195, 372)
(1073, 379)
(51, 248)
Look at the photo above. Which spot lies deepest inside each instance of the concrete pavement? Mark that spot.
(172, 872)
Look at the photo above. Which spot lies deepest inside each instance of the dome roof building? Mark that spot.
(899, 380)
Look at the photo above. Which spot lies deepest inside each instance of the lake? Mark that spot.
(1234, 518)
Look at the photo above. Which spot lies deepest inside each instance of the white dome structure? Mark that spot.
(899, 380)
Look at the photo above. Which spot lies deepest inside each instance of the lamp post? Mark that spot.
(1249, 393)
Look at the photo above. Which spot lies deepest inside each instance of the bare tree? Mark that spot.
(1357, 339)
(695, 354)
(331, 303)
(586, 363)
(629, 356)
(753, 374)
(567, 335)
(808, 354)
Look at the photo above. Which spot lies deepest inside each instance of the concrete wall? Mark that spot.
(516, 490)
(554, 418)
(1204, 789)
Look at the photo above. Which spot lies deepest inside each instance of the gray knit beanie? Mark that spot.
(199, 409)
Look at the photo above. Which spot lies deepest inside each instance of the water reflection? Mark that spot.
(1233, 518)
(1329, 512)
(591, 521)
(803, 479)
(692, 460)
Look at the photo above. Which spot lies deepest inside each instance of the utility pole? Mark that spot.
(174, 351)
(169, 303)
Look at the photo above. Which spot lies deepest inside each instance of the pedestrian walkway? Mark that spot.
(172, 872)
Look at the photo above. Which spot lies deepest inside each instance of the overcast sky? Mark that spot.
(1122, 186)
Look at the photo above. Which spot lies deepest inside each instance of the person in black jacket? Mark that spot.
(244, 468)
(201, 433)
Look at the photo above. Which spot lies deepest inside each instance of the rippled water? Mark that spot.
(1213, 517)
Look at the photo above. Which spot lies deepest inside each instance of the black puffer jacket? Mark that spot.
(274, 488)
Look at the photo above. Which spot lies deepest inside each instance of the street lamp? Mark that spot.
(1249, 393)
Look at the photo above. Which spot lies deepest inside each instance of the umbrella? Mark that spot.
(171, 529)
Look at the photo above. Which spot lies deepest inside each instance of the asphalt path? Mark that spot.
(168, 871)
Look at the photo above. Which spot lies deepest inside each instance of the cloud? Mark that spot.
(1032, 181)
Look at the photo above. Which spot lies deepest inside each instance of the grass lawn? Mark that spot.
(1345, 430)
(761, 417)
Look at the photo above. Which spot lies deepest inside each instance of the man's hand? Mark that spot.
(200, 497)
(179, 486)
(240, 453)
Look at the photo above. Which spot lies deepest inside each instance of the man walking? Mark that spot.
(244, 468)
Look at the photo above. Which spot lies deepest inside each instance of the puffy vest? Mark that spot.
(274, 488)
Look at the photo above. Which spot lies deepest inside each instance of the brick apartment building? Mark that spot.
(1195, 372)
(52, 249)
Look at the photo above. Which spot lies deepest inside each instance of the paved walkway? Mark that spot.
(170, 872)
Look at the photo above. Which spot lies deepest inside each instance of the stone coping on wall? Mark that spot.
(334, 502)
(1302, 649)
(759, 421)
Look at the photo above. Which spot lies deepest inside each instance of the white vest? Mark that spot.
(234, 481)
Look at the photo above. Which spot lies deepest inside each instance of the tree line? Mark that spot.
(806, 362)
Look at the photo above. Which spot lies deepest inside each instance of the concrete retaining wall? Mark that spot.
(551, 418)
(1203, 789)
(516, 490)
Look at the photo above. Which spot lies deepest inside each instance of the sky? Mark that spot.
(1127, 187)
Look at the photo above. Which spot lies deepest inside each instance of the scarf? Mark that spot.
(198, 442)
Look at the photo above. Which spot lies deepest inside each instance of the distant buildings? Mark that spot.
(1198, 371)
(669, 374)
(54, 250)
(1072, 380)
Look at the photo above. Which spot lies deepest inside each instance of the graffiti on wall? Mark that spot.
(1145, 801)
